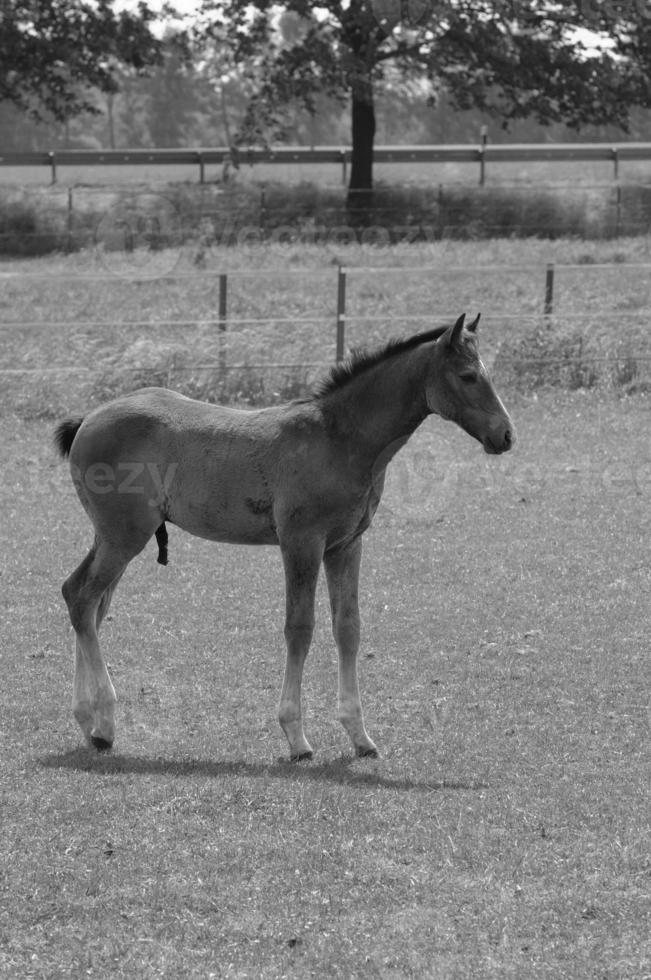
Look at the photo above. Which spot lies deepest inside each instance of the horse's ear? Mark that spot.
(472, 327)
(453, 334)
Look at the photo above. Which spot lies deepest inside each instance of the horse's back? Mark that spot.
(151, 420)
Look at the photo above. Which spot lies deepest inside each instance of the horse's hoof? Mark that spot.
(300, 756)
(367, 752)
(101, 744)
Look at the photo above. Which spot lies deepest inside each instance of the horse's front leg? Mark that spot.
(342, 572)
(301, 560)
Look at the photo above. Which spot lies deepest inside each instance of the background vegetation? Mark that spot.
(365, 72)
(178, 105)
(182, 104)
(37, 221)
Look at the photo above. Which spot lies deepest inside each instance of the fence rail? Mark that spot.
(481, 154)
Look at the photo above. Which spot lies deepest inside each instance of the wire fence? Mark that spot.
(225, 328)
(339, 280)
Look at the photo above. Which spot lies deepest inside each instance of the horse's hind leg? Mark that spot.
(88, 593)
(105, 601)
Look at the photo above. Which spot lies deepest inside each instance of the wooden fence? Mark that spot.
(482, 154)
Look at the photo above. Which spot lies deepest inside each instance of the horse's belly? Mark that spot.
(234, 508)
(236, 528)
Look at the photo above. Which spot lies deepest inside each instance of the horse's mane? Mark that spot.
(360, 360)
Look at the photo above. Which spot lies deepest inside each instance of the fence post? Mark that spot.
(202, 170)
(223, 287)
(53, 166)
(69, 222)
(482, 156)
(344, 171)
(341, 312)
(549, 293)
(440, 212)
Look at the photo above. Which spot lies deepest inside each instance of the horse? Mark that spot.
(306, 476)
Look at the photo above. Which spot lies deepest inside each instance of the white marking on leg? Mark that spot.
(94, 696)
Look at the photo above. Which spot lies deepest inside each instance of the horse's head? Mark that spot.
(459, 389)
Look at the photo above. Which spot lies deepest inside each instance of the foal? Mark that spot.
(307, 476)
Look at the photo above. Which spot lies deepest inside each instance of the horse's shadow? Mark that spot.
(341, 771)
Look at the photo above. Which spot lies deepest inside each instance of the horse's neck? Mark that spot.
(385, 404)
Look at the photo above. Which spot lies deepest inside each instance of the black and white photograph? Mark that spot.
(325, 413)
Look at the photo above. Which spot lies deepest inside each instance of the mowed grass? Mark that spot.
(504, 668)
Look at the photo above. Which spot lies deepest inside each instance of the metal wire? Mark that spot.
(350, 318)
(309, 273)
(207, 321)
(165, 369)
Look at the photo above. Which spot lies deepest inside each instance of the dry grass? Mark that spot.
(73, 341)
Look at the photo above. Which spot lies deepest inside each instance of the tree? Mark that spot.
(569, 61)
(226, 85)
(52, 54)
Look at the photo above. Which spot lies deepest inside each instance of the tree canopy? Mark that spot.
(52, 54)
(573, 61)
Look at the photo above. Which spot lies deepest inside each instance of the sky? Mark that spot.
(183, 6)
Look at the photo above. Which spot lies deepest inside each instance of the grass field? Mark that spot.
(504, 833)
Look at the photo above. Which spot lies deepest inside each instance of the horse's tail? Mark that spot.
(65, 433)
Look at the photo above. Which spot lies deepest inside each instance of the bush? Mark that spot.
(227, 214)
(393, 213)
(631, 214)
(21, 231)
(504, 212)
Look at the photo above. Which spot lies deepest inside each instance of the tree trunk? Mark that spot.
(360, 188)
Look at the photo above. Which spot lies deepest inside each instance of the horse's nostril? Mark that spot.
(507, 437)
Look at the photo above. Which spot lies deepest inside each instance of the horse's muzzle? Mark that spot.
(500, 441)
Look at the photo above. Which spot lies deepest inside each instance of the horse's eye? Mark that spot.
(468, 377)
